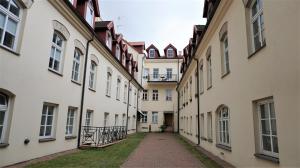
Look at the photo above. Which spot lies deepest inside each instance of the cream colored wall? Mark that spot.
(27, 76)
(270, 72)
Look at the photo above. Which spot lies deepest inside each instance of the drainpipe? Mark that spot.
(83, 89)
(128, 104)
(178, 97)
(198, 101)
(137, 109)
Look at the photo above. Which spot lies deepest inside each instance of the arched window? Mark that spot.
(9, 22)
(93, 73)
(55, 61)
(223, 126)
(76, 65)
(109, 40)
(118, 52)
(170, 53)
(3, 115)
(108, 82)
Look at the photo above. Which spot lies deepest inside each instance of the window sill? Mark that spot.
(107, 96)
(47, 139)
(93, 90)
(266, 157)
(9, 50)
(77, 83)
(118, 99)
(209, 87)
(223, 147)
(70, 137)
(4, 145)
(225, 74)
(55, 72)
(255, 52)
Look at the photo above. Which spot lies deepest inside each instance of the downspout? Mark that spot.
(198, 101)
(128, 104)
(137, 109)
(83, 89)
(178, 97)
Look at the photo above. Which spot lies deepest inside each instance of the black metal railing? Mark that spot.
(99, 136)
(162, 77)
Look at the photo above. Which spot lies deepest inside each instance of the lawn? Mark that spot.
(202, 157)
(112, 156)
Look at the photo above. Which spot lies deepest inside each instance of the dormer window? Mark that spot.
(151, 53)
(118, 52)
(109, 40)
(129, 67)
(89, 15)
(71, 1)
(123, 60)
(170, 53)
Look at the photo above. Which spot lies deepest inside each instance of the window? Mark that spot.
(201, 78)
(187, 92)
(145, 95)
(125, 93)
(116, 119)
(3, 116)
(155, 95)
(129, 67)
(123, 60)
(130, 96)
(9, 22)
(76, 66)
(71, 1)
(146, 73)
(154, 117)
(169, 73)
(257, 22)
(89, 15)
(144, 117)
(170, 53)
(223, 126)
(123, 120)
(118, 52)
(108, 84)
(191, 80)
(168, 95)
(267, 128)
(225, 55)
(118, 88)
(209, 72)
(89, 118)
(202, 126)
(209, 126)
(55, 61)
(93, 72)
(151, 53)
(106, 119)
(155, 73)
(71, 120)
(47, 121)
(109, 40)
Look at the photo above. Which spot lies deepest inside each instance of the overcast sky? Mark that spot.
(157, 22)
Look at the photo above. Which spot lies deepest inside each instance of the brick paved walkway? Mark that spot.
(161, 150)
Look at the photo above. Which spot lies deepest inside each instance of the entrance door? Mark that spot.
(169, 121)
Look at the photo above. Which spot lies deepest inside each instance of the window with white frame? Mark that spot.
(9, 23)
(48, 121)
(93, 73)
(123, 60)
(125, 93)
(144, 117)
(267, 128)
(89, 118)
(109, 40)
(106, 119)
(76, 66)
(154, 117)
(89, 15)
(209, 72)
(145, 95)
(108, 84)
(55, 62)
(118, 88)
(168, 95)
(118, 52)
(225, 54)
(116, 119)
(155, 95)
(146, 73)
(151, 53)
(169, 73)
(201, 77)
(124, 120)
(71, 120)
(170, 53)
(257, 22)
(155, 73)
(223, 126)
(191, 80)
(201, 125)
(209, 126)
(3, 116)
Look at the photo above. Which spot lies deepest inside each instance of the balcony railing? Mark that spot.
(99, 136)
(162, 77)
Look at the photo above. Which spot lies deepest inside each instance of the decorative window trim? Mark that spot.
(59, 27)
(79, 45)
(223, 30)
(221, 119)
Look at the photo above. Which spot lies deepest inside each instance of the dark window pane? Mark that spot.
(2, 100)
(50, 110)
(44, 109)
(263, 112)
(4, 3)
(1, 128)
(50, 62)
(272, 110)
(2, 116)
(9, 40)
(275, 144)
(42, 130)
(49, 120)
(56, 65)
(265, 126)
(14, 8)
(48, 131)
(254, 8)
(43, 120)
(266, 143)
(54, 38)
(273, 126)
